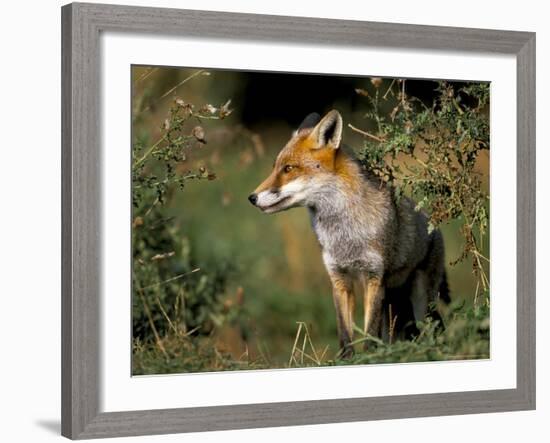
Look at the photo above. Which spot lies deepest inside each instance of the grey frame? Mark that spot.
(81, 165)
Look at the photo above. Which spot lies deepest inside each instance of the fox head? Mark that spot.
(304, 167)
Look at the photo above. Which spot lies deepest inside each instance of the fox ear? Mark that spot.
(328, 132)
(310, 121)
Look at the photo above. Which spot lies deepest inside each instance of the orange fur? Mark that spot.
(306, 157)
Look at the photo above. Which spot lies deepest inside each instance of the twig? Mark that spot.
(482, 256)
(308, 336)
(389, 89)
(154, 285)
(365, 133)
(264, 354)
(312, 347)
(152, 206)
(152, 323)
(302, 352)
(476, 293)
(200, 71)
(309, 357)
(192, 331)
(457, 107)
(483, 276)
(304, 347)
(245, 354)
(145, 75)
(180, 307)
(295, 344)
(393, 321)
(148, 152)
(367, 337)
(324, 353)
(159, 303)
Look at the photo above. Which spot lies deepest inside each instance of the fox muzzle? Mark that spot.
(253, 198)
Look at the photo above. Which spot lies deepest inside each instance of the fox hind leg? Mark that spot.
(419, 295)
(425, 294)
(436, 276)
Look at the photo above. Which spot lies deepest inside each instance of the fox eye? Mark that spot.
(288, 168)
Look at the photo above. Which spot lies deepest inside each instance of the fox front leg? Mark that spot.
(373, 294)
(344, 303)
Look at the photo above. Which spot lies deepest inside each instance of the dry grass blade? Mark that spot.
(298, 354)
(392, 322)
(365, 133)
(185, 80)
(145, 75)
(293, 352)
(165, 315)
(177, 277)
(152, 323)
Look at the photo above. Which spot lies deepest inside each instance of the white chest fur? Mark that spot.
(347, 239)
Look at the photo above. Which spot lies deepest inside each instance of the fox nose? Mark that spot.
(253, 198)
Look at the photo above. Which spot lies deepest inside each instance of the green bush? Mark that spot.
(172, 292)
(430, 152)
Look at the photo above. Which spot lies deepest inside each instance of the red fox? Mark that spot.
(368, 238)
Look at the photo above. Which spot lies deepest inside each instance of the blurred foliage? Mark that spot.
(173, 293)
(431, 152)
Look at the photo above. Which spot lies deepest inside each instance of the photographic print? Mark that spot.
(289, 220)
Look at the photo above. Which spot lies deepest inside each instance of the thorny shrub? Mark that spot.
(173, 294)
(431, 153)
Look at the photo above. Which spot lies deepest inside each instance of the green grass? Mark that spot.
(182, 354)
(464, 337)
